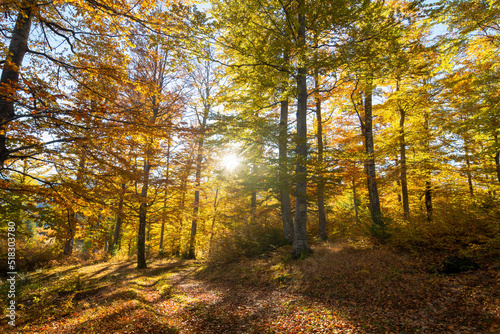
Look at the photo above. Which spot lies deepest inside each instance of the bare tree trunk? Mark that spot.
(143, 211)
(10, 73)
(300, 246)
(119, 219)
(428, 185)
(497, 157)
(355, 199)
(72, 218)
(194, 224)
(468, 169)
(321, 182)
(166, 194)
(70, 234)
(286, 206)
(402, 152)
(378, 226)
(213, 222)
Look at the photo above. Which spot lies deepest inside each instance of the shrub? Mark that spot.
(248, 239)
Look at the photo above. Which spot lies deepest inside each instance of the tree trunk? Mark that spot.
(143, 211)
(70, 235)
(468, 170)
(10, 74)
(300, 247)
(497, 157)
(194, 224)
(378, 226)
(403, 168)
(355, 199)
(163, 216)
(321, 182)
(428, 186)
(213, 222)
(119, 219)
(253, 203)
(286, 206)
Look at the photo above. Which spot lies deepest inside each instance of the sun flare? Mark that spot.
(230, 162)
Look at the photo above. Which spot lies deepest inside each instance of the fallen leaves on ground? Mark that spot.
(339, 289)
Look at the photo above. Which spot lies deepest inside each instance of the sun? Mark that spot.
(230, 162)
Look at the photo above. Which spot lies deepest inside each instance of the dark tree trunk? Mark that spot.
(300, 247)
(378, 226)
(355, 199)
(321, 181)
(428, 186)
(143, 211)
(468, 170)
(403, 168)
(194, 224)
(428, 200)
(286, 206)
(497, 158)
(163, 216)
(213, 222)
(10, 74)
(119, 219)
(70, 234)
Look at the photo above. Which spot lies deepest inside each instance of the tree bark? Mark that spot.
(286, 206)
(10, 74)
(213, 222)
(468, 169)
(70, 235)
(194, 224)
(300, 247)
(428, 185)
(403, 168)
(355, 199)
(321, 181)
(143, 211)
(497, 157)
(378, 226)
(119, 219)
(163, 216)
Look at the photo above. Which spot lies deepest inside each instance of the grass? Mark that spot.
(340, 288)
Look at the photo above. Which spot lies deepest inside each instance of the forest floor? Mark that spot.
(339, 289)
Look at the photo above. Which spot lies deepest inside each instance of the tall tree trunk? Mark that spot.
(321, 181)
(10, 73)
(355, 199)
(300, 246)
(143, 211)
(72, 216)
(497, 157)
(428, 184)
(119, 219)
(213, 222)
(164, 213)
(286, 206)
(428, 199)
(194, 224)
(402, 152)
(378, 226)
(468, 169)
(70, 234)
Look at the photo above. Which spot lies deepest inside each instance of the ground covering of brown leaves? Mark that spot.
(339, 289)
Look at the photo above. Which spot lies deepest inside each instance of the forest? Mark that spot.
(250, 166)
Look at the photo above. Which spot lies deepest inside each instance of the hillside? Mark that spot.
(342, 288)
